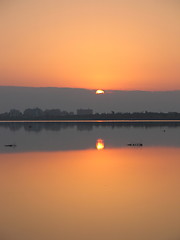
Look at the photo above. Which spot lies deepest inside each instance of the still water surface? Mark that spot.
(82, 181)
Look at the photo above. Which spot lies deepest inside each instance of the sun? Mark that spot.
(100, 91)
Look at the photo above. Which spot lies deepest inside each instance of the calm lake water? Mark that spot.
(81, 181)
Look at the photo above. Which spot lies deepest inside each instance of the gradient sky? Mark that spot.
(109, 44)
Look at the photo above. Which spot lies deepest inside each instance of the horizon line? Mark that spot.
(92, 89)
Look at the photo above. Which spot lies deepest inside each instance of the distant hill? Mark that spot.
(71, 99)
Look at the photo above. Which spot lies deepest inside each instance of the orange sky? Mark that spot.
(108, 44)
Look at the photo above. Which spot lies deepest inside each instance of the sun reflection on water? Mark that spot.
(100, 144)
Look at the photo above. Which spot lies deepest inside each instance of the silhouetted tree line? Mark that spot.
(57, 114)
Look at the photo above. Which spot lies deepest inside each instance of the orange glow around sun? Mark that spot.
(99, 91)
(99, 144)
(91, 44)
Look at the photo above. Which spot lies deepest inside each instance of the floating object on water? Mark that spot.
(135, 144)
(10, 145)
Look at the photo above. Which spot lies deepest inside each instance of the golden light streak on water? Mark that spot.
(100, 144)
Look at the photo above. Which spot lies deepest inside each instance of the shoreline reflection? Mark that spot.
(83, 126)
(29, 137)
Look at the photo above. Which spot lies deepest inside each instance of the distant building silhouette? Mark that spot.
(15, 113)
(33, 112)
(84, 111)
(85, 114)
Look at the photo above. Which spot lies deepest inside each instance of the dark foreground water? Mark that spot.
(81, 181)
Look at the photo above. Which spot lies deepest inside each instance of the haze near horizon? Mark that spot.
(71, 99)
